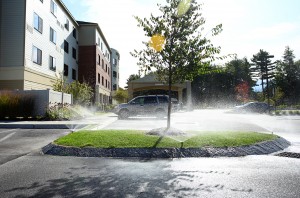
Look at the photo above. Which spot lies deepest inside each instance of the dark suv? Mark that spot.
(144, 105)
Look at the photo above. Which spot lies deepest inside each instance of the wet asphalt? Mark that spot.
(26, 172)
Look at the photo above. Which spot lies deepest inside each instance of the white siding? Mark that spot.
(42, 41)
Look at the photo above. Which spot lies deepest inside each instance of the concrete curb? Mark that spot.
(100, 121)
(36, 126)
(262, 148)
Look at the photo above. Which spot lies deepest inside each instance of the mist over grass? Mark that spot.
(138, 139)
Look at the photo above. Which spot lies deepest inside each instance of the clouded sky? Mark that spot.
(248, 25)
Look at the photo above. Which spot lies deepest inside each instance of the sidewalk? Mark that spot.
(93, 122)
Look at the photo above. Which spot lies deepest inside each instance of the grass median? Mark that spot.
(138, 139)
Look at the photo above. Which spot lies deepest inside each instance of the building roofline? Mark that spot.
(84, 23)
(68, 12)
(117, 52)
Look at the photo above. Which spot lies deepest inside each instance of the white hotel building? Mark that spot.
(39, 41)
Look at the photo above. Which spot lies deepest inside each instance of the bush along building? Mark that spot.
(41, 41)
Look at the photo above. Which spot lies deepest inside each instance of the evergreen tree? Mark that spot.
(288, 76)
(263, 68)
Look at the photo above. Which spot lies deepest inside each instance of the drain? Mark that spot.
(289, 154)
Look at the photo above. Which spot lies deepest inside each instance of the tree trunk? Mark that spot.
(169, 92)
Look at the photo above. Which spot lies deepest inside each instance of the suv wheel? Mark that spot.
(160, 113)
(123, 114)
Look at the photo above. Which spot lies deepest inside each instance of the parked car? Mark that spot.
(144, 105)
(252, 107)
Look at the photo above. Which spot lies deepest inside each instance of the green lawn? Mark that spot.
(138, 139)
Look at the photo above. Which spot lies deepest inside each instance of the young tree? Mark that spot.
(121, 95)
(242, 91)
(178, 50)
(81, 92)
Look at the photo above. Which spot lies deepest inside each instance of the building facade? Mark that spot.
(39, 43)
(114, 60)
(94, 61)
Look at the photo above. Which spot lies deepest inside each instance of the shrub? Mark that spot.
(277, 112)
(57, 111)
(282, 107)
(15, 105)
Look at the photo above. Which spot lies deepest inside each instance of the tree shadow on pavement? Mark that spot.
(143, 179)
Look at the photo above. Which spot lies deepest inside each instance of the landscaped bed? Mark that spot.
(133, 143)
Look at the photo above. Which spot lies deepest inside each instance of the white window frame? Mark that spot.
(52, 63)
(53, 8)
(38, 23)
(53, 35)
(37, 55)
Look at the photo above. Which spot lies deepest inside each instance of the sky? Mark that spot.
(248, 26)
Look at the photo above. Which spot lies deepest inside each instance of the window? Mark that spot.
(101, 47)
(114, 87)
(102, 81)
(52, 63)
(106, 83)
(99, 79)
(99, 58)
(115, 61)
(37, 55)
(105, 67)
(150, 100)
(102, 64)
(52, 35)
(74, 33)
(138, 101)
(74, 53)
(38, 23)
(108, 70)
(163, 99)
(66, 46)
(98, 41)
(66, 70)
(67, 24)
(73, 74)
(53, 8)
(114, 74)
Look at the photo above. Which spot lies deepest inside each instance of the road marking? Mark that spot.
(6, 137)
(8, 131)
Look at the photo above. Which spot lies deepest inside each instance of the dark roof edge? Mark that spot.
(68, 12)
